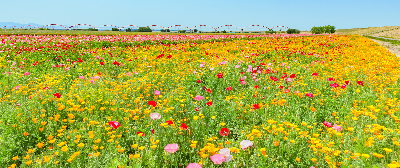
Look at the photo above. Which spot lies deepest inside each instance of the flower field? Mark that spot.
(198, 101)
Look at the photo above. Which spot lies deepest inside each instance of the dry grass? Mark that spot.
(362, 30)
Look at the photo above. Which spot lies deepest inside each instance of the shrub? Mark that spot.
(195, 30)
(293, 31)
(144, 29)
(223, 31)
(167, 30)
(162, 30)
(114, 29)
(181, 31)
(93, 29)
(323, 29)
(128, 30)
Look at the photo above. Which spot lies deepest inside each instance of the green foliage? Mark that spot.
(162, 30)
(115, 29)
(270, 31)
(181, 31)
(93, 29)
(323, 29)
(128, 30)
(167, 30)
(195, 30)
(144, 29)
(293, 31)
(223, 31)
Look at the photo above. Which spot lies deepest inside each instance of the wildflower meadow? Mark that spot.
(198, 101)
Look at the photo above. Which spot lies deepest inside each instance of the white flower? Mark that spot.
(245, 144)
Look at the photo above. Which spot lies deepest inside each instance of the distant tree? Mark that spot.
(181, 31)
(128, 30)
(144, 29)
(162, 30)
(223, 31)
(293, 31)
(114, 29)
(167, 30)
(195, 30)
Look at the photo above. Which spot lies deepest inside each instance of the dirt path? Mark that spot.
(391, 47)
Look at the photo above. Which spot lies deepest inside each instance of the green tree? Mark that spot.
(144, 29)
(293, 31)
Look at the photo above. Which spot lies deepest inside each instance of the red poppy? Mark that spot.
(184, 126)
(209, 103)
(116, 63)
(220, 75)
(315, 74)
(114, 124)
(284, 76)
(229, 88)
(169, 122)
(335, 85)
(209, 90)
(152, 103)
(293, 76)
(197, 108)
(224, 132)
(256, 106)
(152, 131)
(140, 133)
(256, 87)
(347, 82)
(101, 63)
(198, 81)
(331, 79)
(360, 83)
(58, 95)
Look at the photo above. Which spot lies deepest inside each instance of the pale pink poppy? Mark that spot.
(17, 87)
(171, 148)
(81, 77)
(97, 77)
(243, 82)
(193, 165)
(237, 66)
(288, 79)
(337, 128)
(227, 153)
(217, 158)
(245, 144)
(66, 69)
(155, 116)
(309, 95)
(198, 98)
(128, 74)
(157, 92)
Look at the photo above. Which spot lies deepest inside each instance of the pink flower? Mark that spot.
(193, 165)
(227, 153)
(114, 124)
(288, 79)
(245, 144)
(243, 82)
(128, 74)
(96, 77)
(309, 95)
(17, 87)
(331, 79)
(237, 66)
(157, 92)
(66, 69)
(81, 77)
(334, 85)
(197, 108)
(171, 148)
(315, 74)
(155, 116)
(198, 98)
(327, 124)
(337, 128)
(27, 73)
(217, 158)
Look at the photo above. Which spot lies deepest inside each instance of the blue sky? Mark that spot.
(291, 13)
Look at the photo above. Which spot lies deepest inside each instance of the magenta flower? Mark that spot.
(171, 148)
(217, 158)
(309, 95)
(193, 165)
(27, 73)
(327, 124)
(81, 77)
(17, 87)
(155, 116)
(198, 98)
(157, 92)
(114, 124)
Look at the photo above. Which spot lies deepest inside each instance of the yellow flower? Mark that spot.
(141, 148)
(81, 145)
(134, 145)
(15, 158)
(28, 162)
(314, 159)
(222, 124)
(40, 145)
(153, 146)
(97, 154)
(136, 156)
(97, 140)
(64, 148)
(195, 117)
(298, 159)
(387, 150)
